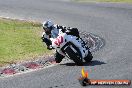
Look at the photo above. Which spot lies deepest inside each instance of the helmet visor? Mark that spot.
(47, 30)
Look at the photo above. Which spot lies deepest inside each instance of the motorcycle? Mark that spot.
(72, 47)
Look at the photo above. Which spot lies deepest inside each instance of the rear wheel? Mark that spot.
(58, 57)
(89, 57)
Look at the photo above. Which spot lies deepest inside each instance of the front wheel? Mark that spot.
(75, 56)
(89, 57)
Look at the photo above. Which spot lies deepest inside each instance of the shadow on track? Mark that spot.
(92, 63)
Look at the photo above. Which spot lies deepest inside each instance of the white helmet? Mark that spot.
(47, 24)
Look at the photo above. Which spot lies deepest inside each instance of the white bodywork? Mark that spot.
(63, 38)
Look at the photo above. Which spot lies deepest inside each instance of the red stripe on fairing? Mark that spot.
(59, 40)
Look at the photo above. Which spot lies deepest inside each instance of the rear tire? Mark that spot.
(89, 57)
(58, 57)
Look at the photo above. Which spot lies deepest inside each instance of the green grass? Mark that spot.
(20, 40)
(126, 1)
(84, 0)
(123, 1)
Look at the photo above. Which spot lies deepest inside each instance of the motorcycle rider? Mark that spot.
(51, 30)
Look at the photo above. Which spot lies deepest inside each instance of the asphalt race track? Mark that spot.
(112, 22)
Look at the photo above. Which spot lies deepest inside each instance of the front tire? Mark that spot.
(74, 56)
